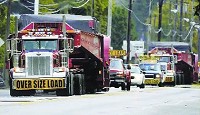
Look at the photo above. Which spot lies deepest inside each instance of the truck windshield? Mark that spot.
(116, 64)
(164, 59)
(40, 44)
(149, 67)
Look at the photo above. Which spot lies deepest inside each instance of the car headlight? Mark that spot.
(157, 75)
(119, 74)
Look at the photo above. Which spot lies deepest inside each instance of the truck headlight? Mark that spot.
(157, 75)
(19, 70)
(59, 69)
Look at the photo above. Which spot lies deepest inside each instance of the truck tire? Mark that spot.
(160, 84)
(78, 84)
(13, 92)
(83, 84)
(68, 91)
(123, 86)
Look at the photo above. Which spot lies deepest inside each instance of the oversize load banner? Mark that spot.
(25, 84)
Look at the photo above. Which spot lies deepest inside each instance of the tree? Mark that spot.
(168, 23)
(2, 32)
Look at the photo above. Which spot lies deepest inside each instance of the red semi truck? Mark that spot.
(180, 59)
(54, 56)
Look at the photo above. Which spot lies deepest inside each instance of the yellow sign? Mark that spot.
(25, 84)
(198, 64)
(117, 52)
(147, 57)
(169, 79)
(151, 81)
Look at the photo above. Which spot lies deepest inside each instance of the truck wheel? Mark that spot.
(78, 84)
(83, 84)
(160, 84)
(13, 92)
(123, 86)
(128, 87)
(68, 91)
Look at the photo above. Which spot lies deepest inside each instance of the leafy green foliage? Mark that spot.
(168, 22)
(2, 32)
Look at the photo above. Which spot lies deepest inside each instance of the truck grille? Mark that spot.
(38, 65)
(149, 75)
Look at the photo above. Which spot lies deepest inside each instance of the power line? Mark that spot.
(66, 6)
(82, 4)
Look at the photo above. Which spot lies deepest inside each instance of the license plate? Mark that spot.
(151, 81)
(168, 79)
(26, 84)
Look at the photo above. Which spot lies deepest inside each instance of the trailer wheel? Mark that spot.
(123, 86)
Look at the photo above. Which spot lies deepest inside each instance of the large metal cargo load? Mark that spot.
(78, 22)
(53, 56)
(182, 61)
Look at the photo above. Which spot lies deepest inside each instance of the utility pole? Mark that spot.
(128, 33)
(149, 28)
(92, 8)
(199, 44)
(192, 20)
(6, 36)
(109, 19)
(181, 20)
(36, 7)
(160, 19)
(175, 20)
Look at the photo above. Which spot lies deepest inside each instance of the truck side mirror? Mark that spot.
(175, 58)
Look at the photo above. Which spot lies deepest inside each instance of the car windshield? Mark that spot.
(163, 67)
(116, 64)
(149, 67)
(40, 44)
(164, 59)
(135, 69)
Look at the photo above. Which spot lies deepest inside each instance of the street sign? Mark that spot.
(117, 53)
(1, 42)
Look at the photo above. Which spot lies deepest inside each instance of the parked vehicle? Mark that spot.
(119, 76)
(75, 63)
(137, 75)
(2, 83)
(153, 73)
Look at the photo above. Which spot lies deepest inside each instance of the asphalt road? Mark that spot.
(148, 101)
